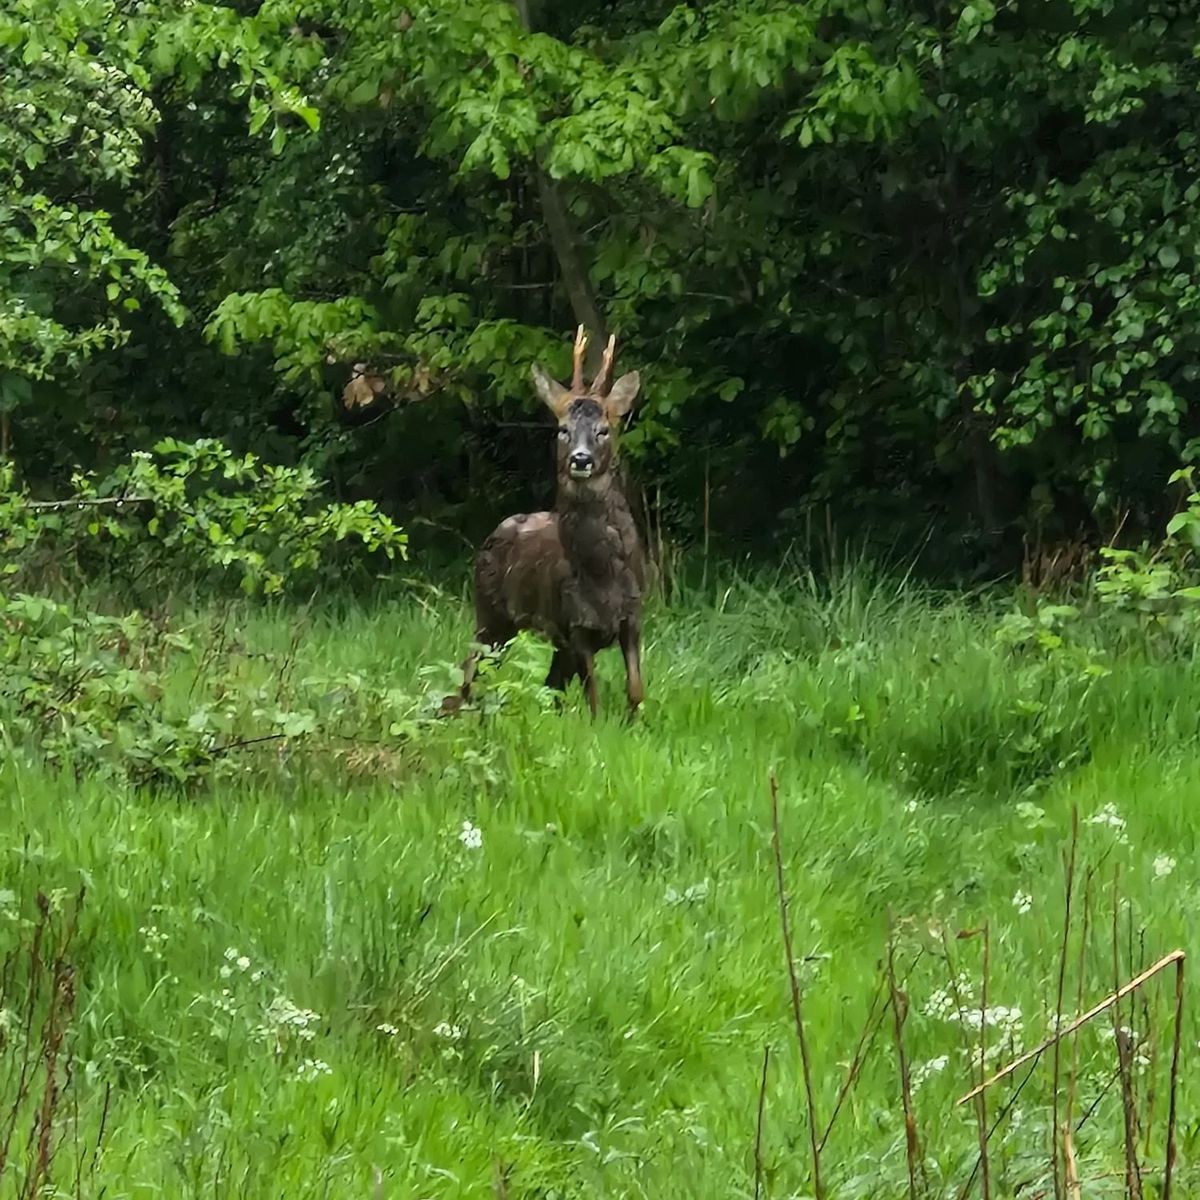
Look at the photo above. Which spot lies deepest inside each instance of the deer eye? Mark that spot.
(563, 435)
(603, 431)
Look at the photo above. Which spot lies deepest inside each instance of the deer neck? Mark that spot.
(587, 516)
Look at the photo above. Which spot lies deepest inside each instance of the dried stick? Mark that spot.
(1072, 1086)
(758, 1131)
(981, 1163)
(1171, 1110)
(912, 1144)
(87, 502)
(1005, 1109)
(797, 1009)
(865, 1041)
(985, 1178)
(1058, 1000)
(1079, 1022)
(1071, 1167)
(1133, 1175)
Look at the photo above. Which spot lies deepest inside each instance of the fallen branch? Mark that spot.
(88, 502)
(1176, 956)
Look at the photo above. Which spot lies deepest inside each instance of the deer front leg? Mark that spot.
(587, 676)
(562, 670)
(631, 644)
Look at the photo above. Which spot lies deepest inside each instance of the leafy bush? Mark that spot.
(1158, 586)
(192, 510)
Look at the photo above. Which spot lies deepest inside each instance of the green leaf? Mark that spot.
(309, 115)
(364, 93)
(1168, 256)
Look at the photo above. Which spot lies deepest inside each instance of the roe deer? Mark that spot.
(575, 575)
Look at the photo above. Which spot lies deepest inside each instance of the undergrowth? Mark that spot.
(336, 946)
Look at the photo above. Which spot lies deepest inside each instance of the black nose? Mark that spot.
(581, 458)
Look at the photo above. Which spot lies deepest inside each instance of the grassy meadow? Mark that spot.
(524, 954)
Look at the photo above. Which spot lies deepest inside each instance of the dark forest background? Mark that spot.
(914, 268)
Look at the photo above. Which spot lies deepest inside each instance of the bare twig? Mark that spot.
(758, 1131)
(899, 1004)
(1070, 1166)
(88, 502)
(797, 1008)
(1073, 1083)
(865, 1041)
(1104, 1005)
(1133, 1175)
(1171, 1109)
(983, 1014)
(1058, 999)
(244, 742)
(1005, 1109)
(981, 1163)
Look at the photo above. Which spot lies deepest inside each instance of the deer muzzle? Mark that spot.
(581, 465)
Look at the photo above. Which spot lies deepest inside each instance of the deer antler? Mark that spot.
(581, 342)
(603, 381)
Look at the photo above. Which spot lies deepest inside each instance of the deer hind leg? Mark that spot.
(631, 647)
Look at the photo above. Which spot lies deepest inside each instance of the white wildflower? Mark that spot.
(387, 1029)
(692, 894)
(922, 1071)
(313, 1068)
(282, 1018)
(471, 836)
(911, 806)
(1110, 818)
(231, 954)
(243, 963)
(155, 939)
(1022, 902)
(1164, 864)
(452, 1033)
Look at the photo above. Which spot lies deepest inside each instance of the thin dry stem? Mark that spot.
(758, 1129)
(1071, 1167)
(1058, 999)
(1079, 1022)
(1176, 1046)
(984, 1168)
(981, 1126)
(865, 1041)
(1133, 1174)
(797, 1007)
(912, 1141)
(1073, 1081)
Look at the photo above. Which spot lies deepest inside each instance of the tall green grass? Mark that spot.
(311, 981)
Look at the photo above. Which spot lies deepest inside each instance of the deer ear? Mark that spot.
(622, 395)
(552, 393)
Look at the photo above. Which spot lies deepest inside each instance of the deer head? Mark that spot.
(587, 417)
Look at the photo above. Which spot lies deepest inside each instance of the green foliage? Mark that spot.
(1159, 586)
(935, 254)
(354, 918)
(73, 117)
(193, 509)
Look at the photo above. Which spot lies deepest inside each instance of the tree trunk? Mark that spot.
(571, 266)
